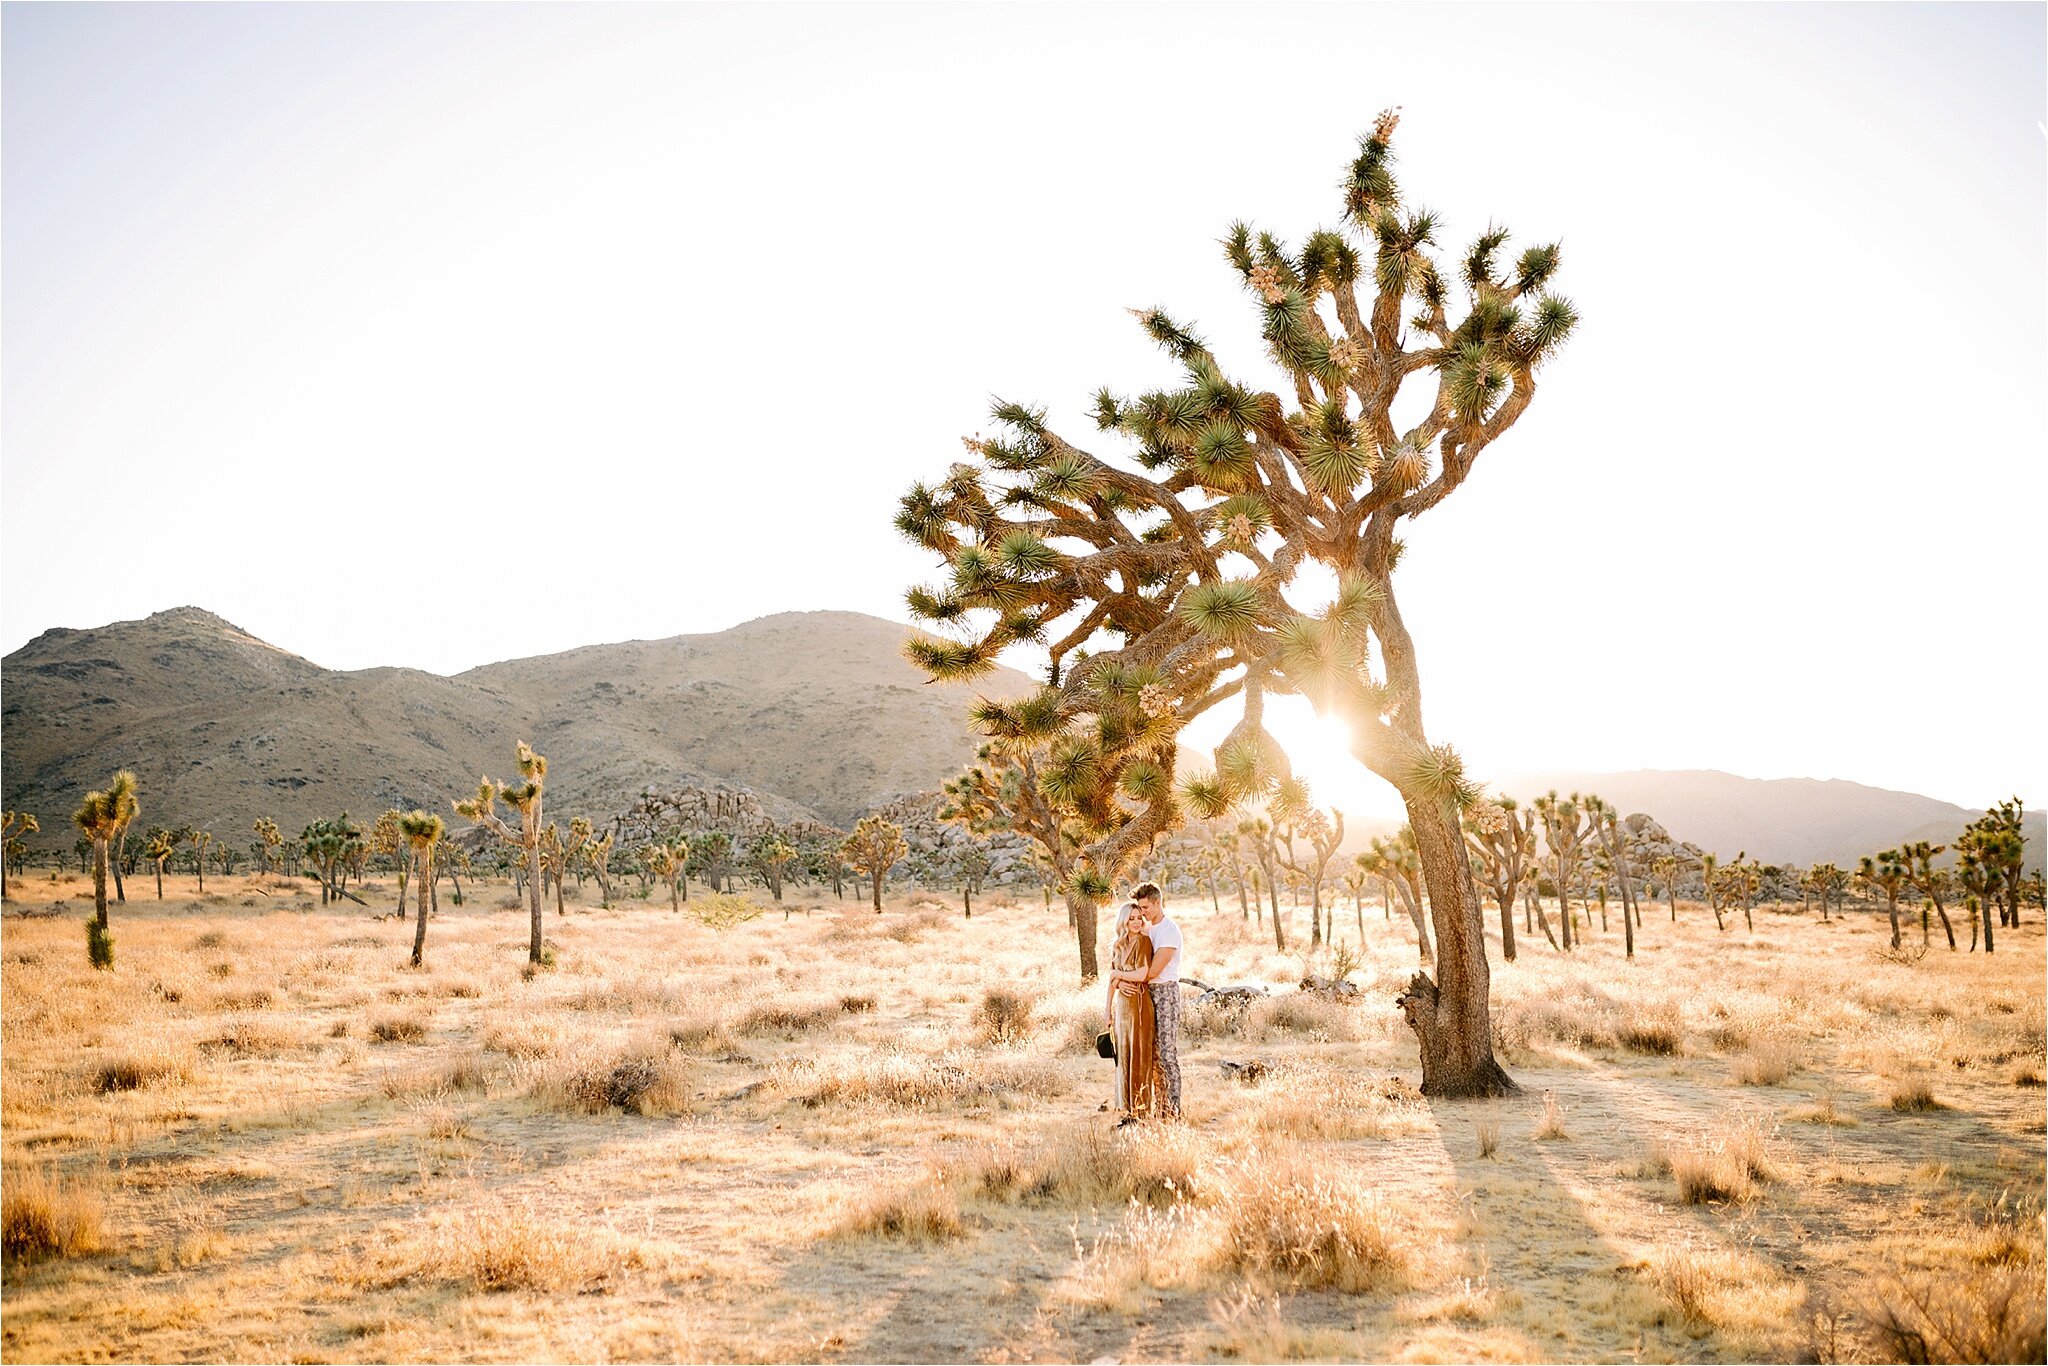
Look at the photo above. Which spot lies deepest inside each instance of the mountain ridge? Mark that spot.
(814, 711)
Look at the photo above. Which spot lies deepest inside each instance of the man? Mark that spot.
(1161, 977)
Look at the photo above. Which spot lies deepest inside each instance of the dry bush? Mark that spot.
(1724, 1165)
(702, 1031)
(626, 996)
(1254, 1327)
(789, 1017)
(1004, 1017)
(1576, 1014)
(464, 1074)
(462, 991)
(1094, 1164)
(917, 1082)
(1316, 1101)
(399, 1027)
(1550, 1124)
(522, 1036)
(1724, 1288)
(912, 929)
(1317, 1228)
(212, 939)
(924, 1211)
(1970, 1315)
(1299, 1012)
(46, 1216)
(514, 1248)
(2027, 1074)
(1767, 1061)
(257, 998)
(1913, 1096)
(1658, 1030)
(1825, 1111)
(644, 1078)
(147, 1064)
(1489, 1139)
(247, 1038)
(857, 1004)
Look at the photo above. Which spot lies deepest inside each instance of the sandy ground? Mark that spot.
(284, 1143)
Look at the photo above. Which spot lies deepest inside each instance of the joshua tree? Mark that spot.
(271, 838)
(98, 818)
(1504, 846)
(873, 848)
(1886, 872)
(127, 806)
(422, 833)
(1567, 825)
(201, 840)
(327, 845)
(1187, 559)
(524, 797)
(389, 840)
(1324, 834)
(710, 853)
(1933, 883)
(1257, 833)
(973, 864)
(1665, 868)
(1613, 837)
(1397, 865)
(1229, 848)
(1710, 881)
(1982, 884)
(2000, 847)
(669, 860)
(14, 825)
(158, 846)
(597, 857)
(771, 854)
(1743, 877)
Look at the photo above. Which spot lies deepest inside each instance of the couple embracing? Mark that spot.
(1144, 1007)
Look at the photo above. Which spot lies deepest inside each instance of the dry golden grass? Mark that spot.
(850, 1136)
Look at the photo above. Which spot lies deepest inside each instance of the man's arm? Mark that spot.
(1160, 958)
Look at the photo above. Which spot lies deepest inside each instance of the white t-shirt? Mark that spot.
(1166, 935)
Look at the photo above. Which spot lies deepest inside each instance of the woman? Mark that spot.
(1130, 1020)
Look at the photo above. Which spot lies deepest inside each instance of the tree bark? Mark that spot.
(99, 881)
(1450, 1015)
(877, 876)
(1507, 927)
(1081, 911)
(419, 929)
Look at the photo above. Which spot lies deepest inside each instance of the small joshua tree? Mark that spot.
(1504, 846)
(1323, 833)
(1933, 883)
(873, 848)
(1397, 865)
(1887, 873)
(98, 818)
(127, 806)
(1613, 837)
(973, 864)
(271, 839)
(422, 834)
(202, 840)
(388, 840)
(15, 825)
(669, 860)
(597, 857)
(1567, 827)
(524, 797)
(770, 855)
(158, 846)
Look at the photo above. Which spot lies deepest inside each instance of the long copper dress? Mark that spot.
(1137, 1042)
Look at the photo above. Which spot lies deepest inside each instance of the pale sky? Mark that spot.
(325, 318)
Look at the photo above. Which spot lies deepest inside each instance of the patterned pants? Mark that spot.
(1166, 1020)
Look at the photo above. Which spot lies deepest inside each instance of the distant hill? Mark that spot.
(817, 712)
(1777, 820)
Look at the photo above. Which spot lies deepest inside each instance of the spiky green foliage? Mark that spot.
(99, 945)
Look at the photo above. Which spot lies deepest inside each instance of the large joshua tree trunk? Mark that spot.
(1450, 1015)
(1081, 910)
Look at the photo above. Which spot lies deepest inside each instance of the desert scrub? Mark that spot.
(1657, 1030)
(1004, 1017)
(399, 1027)
(46, 1216)
(924, 1210)
(515, 1247)
(789, 1017)
(1317, 1228)
(1767, 1061)
(701, 1032)
(646, 1079)
(1315, 1101)
(145, 1065)
(1095, 1164)
(1724, 1165)
(521, 1036)
(919, 1082)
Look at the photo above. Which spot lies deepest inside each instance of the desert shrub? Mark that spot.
(462, 991)
(642, 1079)
(1315, 1101)
(249, 1038)
(924, 1211)
(789, 1017)
(1094, 1164)
(1300, 1012)
(521, 1036)
(1767, 1061)
(146, 1065)
(212, 939)
(1724, 1165)
(1575, 1013)
(1550, 1122)
(2027, 1074)
(1314, 1227)
(917, 1082)
(1004, 1016)
(220, 971)
(46, 1216)
(257, 998)
(1656, 1030)
(1974, 1315)
(1913, 1096)
(857, 1005)
(700, 1032)
(723, 910)
(398, 1028)
(517, 1248)
(1489, 1139)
